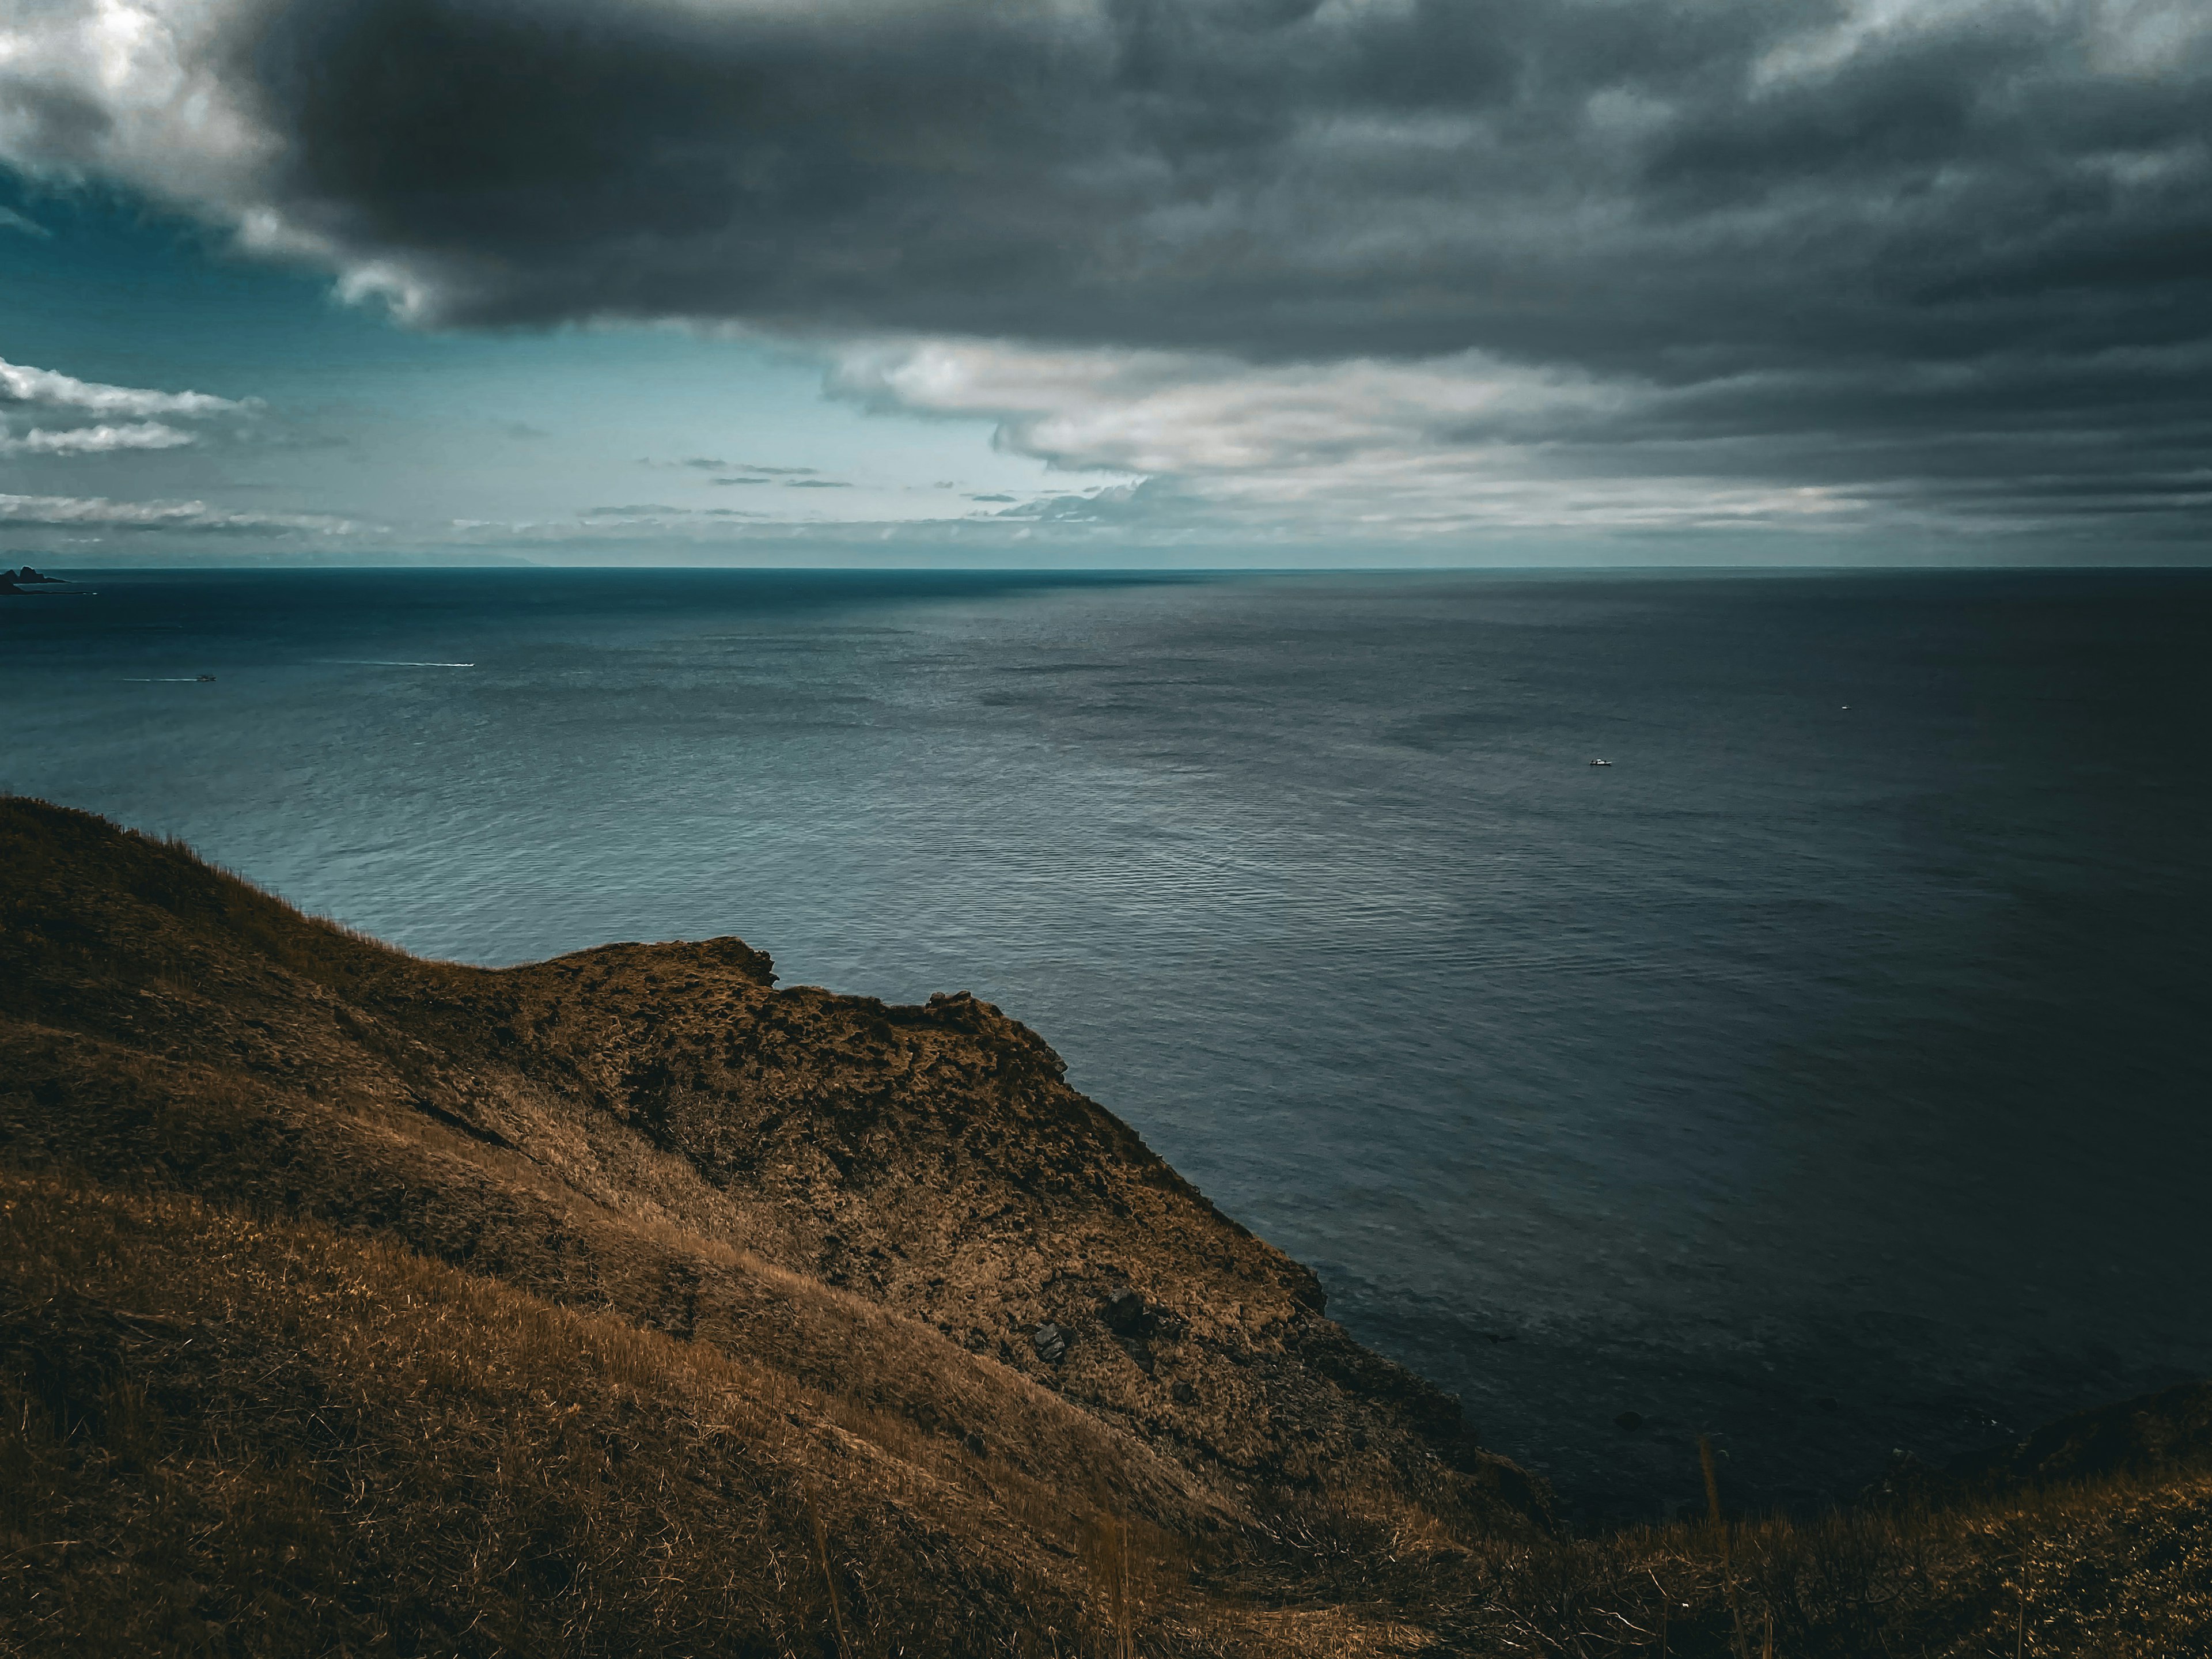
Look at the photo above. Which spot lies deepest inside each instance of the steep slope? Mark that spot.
(240, 1435)
(903, 1212)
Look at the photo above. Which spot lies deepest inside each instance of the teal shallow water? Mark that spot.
(1826, 1073)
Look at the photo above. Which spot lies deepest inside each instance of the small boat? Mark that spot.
(1599, 763)
(205, 679)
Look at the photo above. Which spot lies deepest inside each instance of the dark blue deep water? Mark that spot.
(1831, 1077)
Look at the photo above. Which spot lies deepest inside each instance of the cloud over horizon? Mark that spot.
(99, 439)
(21, 384)
(1424, 264)
(47, 394)
(99, 513)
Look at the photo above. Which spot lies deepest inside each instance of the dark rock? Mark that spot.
(1126, 1314)
(1050, 1342)
(1183, 1395)
(974, 1443)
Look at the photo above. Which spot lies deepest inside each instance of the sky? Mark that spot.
(1097, 281)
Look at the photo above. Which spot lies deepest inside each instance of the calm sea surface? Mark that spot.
(1829, 1073)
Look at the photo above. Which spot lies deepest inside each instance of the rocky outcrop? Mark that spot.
(585, 1129)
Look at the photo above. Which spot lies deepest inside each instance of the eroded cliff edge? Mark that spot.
(887, 1205)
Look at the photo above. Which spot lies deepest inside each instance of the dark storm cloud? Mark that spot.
(1900, 241)
(1628, 186)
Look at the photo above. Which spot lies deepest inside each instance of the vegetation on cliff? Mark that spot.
(626, 1304)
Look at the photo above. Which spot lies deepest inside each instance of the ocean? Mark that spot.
(1827, 1072)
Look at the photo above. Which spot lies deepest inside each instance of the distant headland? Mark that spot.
(14, 581)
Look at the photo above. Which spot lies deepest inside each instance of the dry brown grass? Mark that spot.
(2120, 1567)
(249, 1435)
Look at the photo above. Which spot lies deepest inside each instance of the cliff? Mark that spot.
(627, 1303)
(898, 1216)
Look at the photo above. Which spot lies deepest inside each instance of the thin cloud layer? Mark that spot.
(1950, 256)
(21, 384)
(45, 394)
(100, 440)
(99, 512)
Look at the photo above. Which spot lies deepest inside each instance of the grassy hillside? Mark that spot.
(627, 1303)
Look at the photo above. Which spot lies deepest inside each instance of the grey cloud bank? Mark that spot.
(1426, 268)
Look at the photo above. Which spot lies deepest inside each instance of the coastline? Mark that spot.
(897, 1220)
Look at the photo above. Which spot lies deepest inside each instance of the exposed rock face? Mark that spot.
(581, 1128)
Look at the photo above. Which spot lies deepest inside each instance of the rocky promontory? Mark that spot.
(632, 1303)
(905, 1210)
